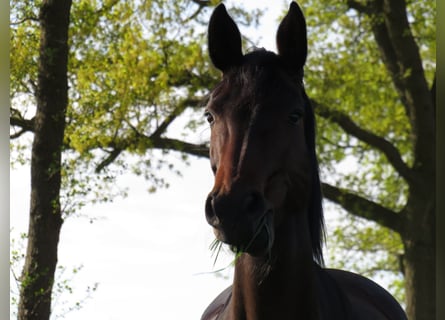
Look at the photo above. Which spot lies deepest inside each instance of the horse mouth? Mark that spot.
(255, 238)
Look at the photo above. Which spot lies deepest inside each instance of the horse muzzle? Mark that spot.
(243, 221)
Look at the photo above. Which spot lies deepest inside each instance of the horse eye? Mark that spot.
(295, 117)
(209, 117)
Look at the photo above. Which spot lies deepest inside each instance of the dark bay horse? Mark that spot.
(266, 200)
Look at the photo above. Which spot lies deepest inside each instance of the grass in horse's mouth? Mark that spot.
(215, 247)
(216, 244)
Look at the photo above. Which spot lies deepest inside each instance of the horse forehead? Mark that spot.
(249, 94)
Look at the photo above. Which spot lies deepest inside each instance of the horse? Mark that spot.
(266, 202)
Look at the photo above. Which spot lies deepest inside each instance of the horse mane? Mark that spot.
(256, 73)
(315, 211)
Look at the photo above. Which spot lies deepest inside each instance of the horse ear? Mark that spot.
(224, 40)
(292, 38)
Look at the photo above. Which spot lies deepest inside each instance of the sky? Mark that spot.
(149, 253)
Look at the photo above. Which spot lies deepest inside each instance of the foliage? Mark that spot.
(137, 67)
(367, 248)
(133, 69)
(65, 277)
(346, 72)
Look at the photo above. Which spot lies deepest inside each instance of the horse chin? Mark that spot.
(258, 244)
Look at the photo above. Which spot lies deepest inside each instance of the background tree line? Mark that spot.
(95, 81)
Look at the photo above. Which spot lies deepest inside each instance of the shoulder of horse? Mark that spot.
(364, 291)
(217, 305)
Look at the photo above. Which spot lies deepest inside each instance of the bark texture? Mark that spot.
(49, 123)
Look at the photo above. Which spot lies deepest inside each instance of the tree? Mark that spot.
(62, 288)
(136, 68)
(371, 78)
(48, 125)
(132, 69)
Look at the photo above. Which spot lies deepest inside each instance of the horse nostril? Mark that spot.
(211, 216)
(209, 206)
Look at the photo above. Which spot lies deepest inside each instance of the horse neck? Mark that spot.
(280, 286)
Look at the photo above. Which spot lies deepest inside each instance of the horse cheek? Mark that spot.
(276, 193)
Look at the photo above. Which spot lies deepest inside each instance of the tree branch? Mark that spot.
(375, 141)
(155, 141)
(201, 5)
(401, 55)
(16, 120)
(360, 7)
(364, 208)
(108, 160)
(25, 124)
(24, 19)
(106, 7)
(199, 150)
(403, 42)
(17, 134)
(389, 59)
(182, 105)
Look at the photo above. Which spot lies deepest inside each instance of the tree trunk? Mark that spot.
(45, 213)
(419, 266)
(419, 263)
(416, 223)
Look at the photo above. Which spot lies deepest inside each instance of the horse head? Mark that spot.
(262, 147)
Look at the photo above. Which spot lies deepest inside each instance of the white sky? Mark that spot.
(148, 252)
(145, 251)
